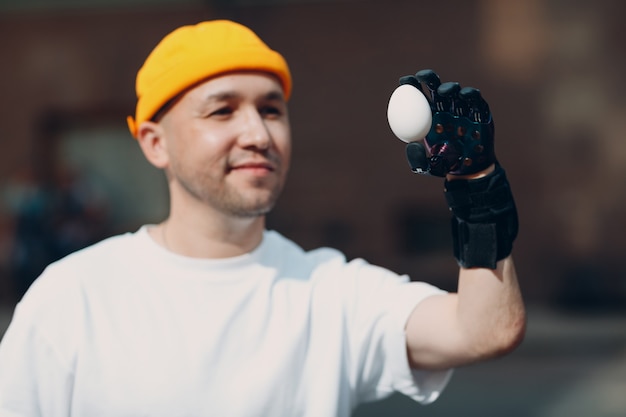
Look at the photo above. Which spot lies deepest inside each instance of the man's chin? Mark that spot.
(251, 212)
(252, 209)
(249, 203)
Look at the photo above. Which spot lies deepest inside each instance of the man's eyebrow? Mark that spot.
(275, 95)
(230, 95)
(222, 96)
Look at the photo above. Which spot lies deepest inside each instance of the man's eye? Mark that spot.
(271, 111)
(223, 111)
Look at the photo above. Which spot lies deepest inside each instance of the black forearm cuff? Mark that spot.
(484, 221)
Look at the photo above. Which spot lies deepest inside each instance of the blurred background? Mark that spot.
(552, 71)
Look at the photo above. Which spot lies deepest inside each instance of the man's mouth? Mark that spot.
(253, 167)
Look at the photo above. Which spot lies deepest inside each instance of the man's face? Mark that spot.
(229, 143)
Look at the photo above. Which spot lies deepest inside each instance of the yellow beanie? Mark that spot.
(191, 54)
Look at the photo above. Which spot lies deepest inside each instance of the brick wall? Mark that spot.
(542, 68)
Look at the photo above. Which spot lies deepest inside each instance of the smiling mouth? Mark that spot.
(256, 168)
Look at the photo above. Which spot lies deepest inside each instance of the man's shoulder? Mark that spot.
(286, 249)
(319, 264)
(107, 246)
(99, 256)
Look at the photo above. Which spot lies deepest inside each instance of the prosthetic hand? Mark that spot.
(460, 138)
(452, 132)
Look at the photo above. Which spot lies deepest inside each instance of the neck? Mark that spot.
(209, 236)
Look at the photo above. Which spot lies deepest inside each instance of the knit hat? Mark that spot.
(191, 54)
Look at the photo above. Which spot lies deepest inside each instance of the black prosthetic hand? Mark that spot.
(461, 142)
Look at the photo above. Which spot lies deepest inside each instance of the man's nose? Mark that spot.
(254, 131)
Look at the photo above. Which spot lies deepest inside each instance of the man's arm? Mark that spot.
(484, 319)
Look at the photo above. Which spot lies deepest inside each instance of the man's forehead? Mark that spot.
(240, 84)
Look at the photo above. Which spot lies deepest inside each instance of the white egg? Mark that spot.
(409, 113)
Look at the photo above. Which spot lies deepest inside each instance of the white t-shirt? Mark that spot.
(126, 328)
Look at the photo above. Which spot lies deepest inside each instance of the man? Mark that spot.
(209, 313)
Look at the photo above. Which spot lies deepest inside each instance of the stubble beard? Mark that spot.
(257, 200)
(235, 203)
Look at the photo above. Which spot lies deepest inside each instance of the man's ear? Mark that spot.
(151, 138)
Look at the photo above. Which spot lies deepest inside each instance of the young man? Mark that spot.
(209, 313)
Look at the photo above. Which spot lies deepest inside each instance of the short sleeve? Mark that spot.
(420, 385)
(383, 302)
(35, 371)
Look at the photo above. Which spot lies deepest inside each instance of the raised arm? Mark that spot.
(486, 316)
(484, 319)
